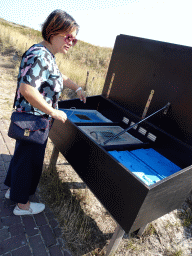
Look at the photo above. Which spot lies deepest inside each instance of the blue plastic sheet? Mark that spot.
(85, 116)
(147, 164)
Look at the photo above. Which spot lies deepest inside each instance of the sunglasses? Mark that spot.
(69, 38)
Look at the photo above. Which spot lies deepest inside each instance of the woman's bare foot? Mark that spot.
(24, 206)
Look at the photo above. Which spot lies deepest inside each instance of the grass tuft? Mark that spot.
(77, 227)
(150, 230)
(186, 217)
(170, 252)
(131, 245)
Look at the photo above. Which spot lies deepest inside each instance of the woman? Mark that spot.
(39, 86)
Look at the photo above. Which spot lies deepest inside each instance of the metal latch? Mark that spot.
(27, 132)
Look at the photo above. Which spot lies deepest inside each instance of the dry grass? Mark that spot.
(68, 197)
(82, 58)
(76, 225)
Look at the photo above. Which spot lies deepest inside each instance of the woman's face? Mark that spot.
(62, 43)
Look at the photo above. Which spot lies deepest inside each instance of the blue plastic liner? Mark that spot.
(85, 116)
(146, 164)
(136, 166)
(156, 161)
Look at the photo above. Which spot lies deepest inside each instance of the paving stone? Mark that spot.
(55, 250)
(3, 187)
(16, 229)
(11, 148)
(11, 220)
(1, 139)
(6, 123)
(66, 253)
(2, 168)
(4, 234)
(6, 137)
(3, 173)
(37, 246)
(49, 214)
(24, 251)
(7, 166)
(57, 232)
(12, 232)
(30, 226)
(48, 235)
(2, 179)
(40, 219)
(4, 149)
(53, 223)
(8, 202)
(12, 243)
(2, 194)
(6, 211)
(1, 161)
(61, 242)
(6, 158)
(1, 224)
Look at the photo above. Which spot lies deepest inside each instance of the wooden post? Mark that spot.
(110, 86)
(92, 81)
(86, 81)
(141, 230)
(115, 241)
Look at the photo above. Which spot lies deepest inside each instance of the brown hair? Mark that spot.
(57, 22)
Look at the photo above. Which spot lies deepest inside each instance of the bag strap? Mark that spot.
(17, 86)
(33, 111)
(15, 98)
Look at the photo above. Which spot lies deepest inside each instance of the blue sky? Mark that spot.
(102, 20)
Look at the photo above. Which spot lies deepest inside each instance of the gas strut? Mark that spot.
(166, 107)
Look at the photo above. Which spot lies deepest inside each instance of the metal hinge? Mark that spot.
(27, 132)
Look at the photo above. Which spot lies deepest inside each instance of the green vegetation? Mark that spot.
(170, 225)
(186, 217)
(150, 230)
(178, 252)
(131, 245)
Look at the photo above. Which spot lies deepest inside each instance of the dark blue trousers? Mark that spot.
(25, 170)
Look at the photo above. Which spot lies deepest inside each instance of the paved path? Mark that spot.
(37, 235)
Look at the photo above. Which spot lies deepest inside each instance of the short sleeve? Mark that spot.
(34, 70)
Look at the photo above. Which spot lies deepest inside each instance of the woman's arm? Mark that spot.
(73, 86)
(33, 96)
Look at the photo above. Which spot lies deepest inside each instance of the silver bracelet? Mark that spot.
(78, 89)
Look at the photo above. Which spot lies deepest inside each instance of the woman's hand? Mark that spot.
(81, 95)
(59, 115)
(33, 96)
(73, 86)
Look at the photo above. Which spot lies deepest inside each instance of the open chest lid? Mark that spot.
(143, 70)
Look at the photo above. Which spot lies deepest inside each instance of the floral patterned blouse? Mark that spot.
(39, 69)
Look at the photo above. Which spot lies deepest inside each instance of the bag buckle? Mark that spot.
(27, 132)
